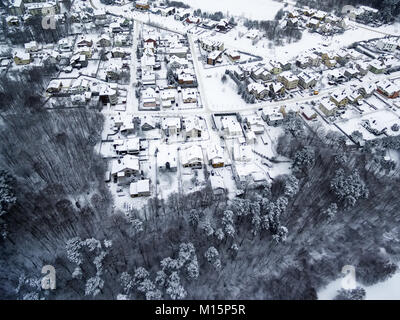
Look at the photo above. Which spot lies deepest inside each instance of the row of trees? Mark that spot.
(273, 31)
(388, 10)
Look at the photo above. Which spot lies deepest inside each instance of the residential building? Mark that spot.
(217, 185)
(211, 45)
(255, 123)
(140, 188)
(328, 107)
(289, 80)
(306, 80)
(194, 126)
(242, 152)
(377, 67)
(192, 157)
(276, 89)
(142, 5)
(104, 41)
(31, 46)
(125, 167)
(215, 155)
(167, 158)
(214, 57)
(149, 98)
(231, 127)
(388, 89)
(367, 89)
(340, 98)
(171, 126)
(258, 90)
(386, 45)
(21, 58)
(189, 95)
(233, 55)
(274, 116)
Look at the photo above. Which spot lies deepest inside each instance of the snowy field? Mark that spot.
(221, 96)
(386, 290)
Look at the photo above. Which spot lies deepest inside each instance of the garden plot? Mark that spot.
(379, 120)
(221, 96)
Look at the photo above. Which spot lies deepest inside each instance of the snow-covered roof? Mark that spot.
(128, 162)
(171, 122)
(139, 187)
(192, 154)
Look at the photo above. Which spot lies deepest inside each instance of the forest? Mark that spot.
(283, 240)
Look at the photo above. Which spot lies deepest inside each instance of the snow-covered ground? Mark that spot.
(386, 290)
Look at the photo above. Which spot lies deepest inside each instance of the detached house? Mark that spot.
(31, 46)
(303, 62)
(215, 156)
(306, 81)
(121, 40)
(125, 167)
(193, 127)
(314, 60)
(313, 23)
(128, 146)
(363, 67)
(149, 98)
(171, 126)
(277, 89)
(261, 74)
(167, 158)
(140, 188)
(289, 80)
(273, 116)
(54, 86)
(142, 5)
(255, 123)
(352, 73)
(78, 61)
(377, 67)
(231, 127)
(119, 53)
(84, 42)
(274, 67)
(340, 98)
(147, 123)
(367, 90)
(328, 107)
(214, 57)
(242, 153)
(258, 90)
(192, 157)
(21, 58)
(189, 95)
(388, 89)
(107, 94)
(233, 55)
(104, 41)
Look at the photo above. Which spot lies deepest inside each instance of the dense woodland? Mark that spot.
(280, 241)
